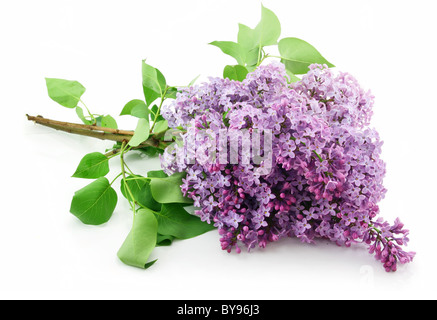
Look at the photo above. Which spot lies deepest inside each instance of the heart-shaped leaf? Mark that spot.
(154, 83)
(298, 55)
(231, 48)
(140, 241)
(175, 221)
(79, 112)
(136, 108)
(237, 73)
(95, 203)
(92, 166)
(141, 133)
(65, 92)
(168, 189)
(109, 122)
(268, 30)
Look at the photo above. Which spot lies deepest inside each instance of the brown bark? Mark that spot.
(92, 131)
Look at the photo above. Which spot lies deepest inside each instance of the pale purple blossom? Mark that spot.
(327, 175)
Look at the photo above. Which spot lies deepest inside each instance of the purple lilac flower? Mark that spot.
(327, 174)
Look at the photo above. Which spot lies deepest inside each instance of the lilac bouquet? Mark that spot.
(261, 154)
(326, 176)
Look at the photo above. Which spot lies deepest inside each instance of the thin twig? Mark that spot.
(93, 131)
(43, 121)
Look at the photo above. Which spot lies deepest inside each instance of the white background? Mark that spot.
(45, 252)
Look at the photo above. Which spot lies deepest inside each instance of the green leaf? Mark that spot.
(65, 92)
(231, 48)
(171, 93)
(141, 133)
(154, 113)
(251, 41)
(246, 37)
(154, 83)
(164, 240)
(92, 166)
(140, 241)
(109, 122)
(99, 121)
(248, 42)
(174, 220)
(168, 189)
(135, 184)
(161, 126)
(116, 146)
(150, 95)
(157, 174)
(252, 59)
(151, 151)
(95, 203)
(79, 112)
(293, 77)
(237, 73)
(145, 198)
(268, 30)
(192, 82)
(140, 189)
(136, 108)
(298, 55)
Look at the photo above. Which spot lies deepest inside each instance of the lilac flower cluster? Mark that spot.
(326, 176)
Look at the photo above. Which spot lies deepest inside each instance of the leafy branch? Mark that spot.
(156, 201)
(249, 50)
